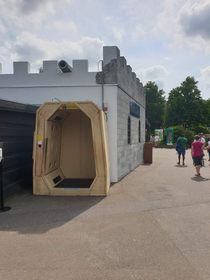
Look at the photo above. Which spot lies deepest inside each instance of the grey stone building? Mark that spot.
(130, 110)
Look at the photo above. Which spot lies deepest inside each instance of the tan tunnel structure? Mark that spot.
(70, 150)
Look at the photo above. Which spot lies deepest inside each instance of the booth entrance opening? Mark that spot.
(70, 148)
(71, 151)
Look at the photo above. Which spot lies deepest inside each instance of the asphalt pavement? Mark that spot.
(153, 225)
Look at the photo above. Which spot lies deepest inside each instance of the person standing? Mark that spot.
(197, 153)
(202, 139)
(156, 140)
(208, 143)
(182, 143)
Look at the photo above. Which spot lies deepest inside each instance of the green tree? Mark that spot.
(185, 105)
(155, 105)
(206, 113)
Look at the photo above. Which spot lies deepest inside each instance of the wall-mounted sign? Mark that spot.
(134, 109)
(170, 136)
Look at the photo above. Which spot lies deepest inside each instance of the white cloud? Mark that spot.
(22, 12)
(195, 19)
(205, 75)
(2, 28)
(107, 18)
(176, 21)
(63, 26)
(160, 83)
(5, 50)
(156, 73)
(167, 58)
(29, 47)
(119, 33)
(138, 32)
(180, 42)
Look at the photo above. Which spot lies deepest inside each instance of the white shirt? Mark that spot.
(156, 138)
(208, 143)
(202, 139)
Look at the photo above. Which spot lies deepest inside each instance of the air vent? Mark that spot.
(57, 179)
(58, 118)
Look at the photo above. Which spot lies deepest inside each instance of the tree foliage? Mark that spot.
(185, 105)
(155, 105)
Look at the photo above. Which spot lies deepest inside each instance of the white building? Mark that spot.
(123, 93)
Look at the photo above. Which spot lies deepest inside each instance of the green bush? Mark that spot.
(161, 143)
(190, 135)
(178, 131)
(199, 129)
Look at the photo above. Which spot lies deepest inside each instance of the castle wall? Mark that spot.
(120, 87)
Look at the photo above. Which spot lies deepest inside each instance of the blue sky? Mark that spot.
(163, 41)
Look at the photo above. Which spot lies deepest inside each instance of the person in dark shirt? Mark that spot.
(182, 141)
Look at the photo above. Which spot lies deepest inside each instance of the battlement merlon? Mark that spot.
(49, 67)
(116, 71)
(51, 75)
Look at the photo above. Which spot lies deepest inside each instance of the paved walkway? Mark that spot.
(154, 225)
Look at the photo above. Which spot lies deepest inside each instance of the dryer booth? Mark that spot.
(70, 150)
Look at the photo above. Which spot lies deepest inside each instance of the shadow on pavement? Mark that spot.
(38, 214)
(200, 179)
(179, 165)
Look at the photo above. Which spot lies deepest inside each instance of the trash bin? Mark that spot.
(148, 153)
(70, 150)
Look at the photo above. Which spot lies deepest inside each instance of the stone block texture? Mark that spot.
(129, 156)
(116, 71)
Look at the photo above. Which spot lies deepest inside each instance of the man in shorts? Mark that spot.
(182, 142)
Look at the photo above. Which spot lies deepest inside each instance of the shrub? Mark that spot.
(190, 135)
(199, 129)
(178, 131)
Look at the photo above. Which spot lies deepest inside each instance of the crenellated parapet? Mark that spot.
(49, 76)
(116, 71)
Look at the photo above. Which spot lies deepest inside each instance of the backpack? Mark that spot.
(178, 146)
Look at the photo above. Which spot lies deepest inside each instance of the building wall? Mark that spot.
(81, 85)
(129, 156)
(116, 71)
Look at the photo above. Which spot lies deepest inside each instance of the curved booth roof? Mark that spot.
(70, 150)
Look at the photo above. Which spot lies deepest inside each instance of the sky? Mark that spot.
(163, 41)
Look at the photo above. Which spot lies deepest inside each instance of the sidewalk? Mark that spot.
(154, 225)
